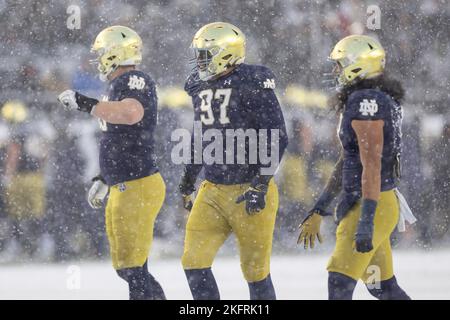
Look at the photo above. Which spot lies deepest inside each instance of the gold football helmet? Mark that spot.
(217, 46)
(357, 57)
(14, 111)
(116, 46)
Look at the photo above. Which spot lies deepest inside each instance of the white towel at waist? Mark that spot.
(405, 212)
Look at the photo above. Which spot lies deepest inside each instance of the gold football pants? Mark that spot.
(376, 263)
(130, 216)
(215, 215)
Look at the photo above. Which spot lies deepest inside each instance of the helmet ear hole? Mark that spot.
(356, 70)
(228, 56)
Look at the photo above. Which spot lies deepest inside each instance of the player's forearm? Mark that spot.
(193, 170)
(371, 179)
(334, 183)
(332, 188)
(267, 171)
(272, 120)
(190, 173)
(127, 111)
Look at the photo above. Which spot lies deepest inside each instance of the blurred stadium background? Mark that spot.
(43, 213)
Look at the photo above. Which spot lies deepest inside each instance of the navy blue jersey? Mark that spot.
(243, 99)
(127, 151)
(371, 104)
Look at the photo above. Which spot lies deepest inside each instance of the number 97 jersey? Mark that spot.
(243, 99)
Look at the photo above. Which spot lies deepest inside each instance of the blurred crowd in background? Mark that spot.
(48, 156)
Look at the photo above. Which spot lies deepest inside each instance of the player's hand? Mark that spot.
(254, 199)
(310, 229)
(97, 193)
(186, 188)
(363, 237)
(73, 100)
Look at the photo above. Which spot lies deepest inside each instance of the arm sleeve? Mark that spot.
(191, 170)
(264, 105)
(190, 173)
(332, 188)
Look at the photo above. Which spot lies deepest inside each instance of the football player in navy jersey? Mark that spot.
(127, 160)
(366, 175)
(236, 197)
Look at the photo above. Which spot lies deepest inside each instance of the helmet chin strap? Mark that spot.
(208, 75)
(205, 75)
(103, 77)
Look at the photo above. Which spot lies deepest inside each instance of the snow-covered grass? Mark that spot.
(424, 275)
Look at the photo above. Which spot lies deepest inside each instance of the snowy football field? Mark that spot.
(424, 275)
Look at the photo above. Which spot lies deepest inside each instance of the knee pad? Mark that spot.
(262, 290)
(202, 284)
(340, 286)
(388, 290)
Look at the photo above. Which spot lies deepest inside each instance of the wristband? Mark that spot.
(98, 177)
(368, 209)
(85, 104)
(261, 182)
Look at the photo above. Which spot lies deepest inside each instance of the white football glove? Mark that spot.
(68, 99)
(97, 193)
(73, 100)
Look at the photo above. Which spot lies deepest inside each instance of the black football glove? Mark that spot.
(255, 198)
(73, 100)
(363, 238)
(187, 187)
